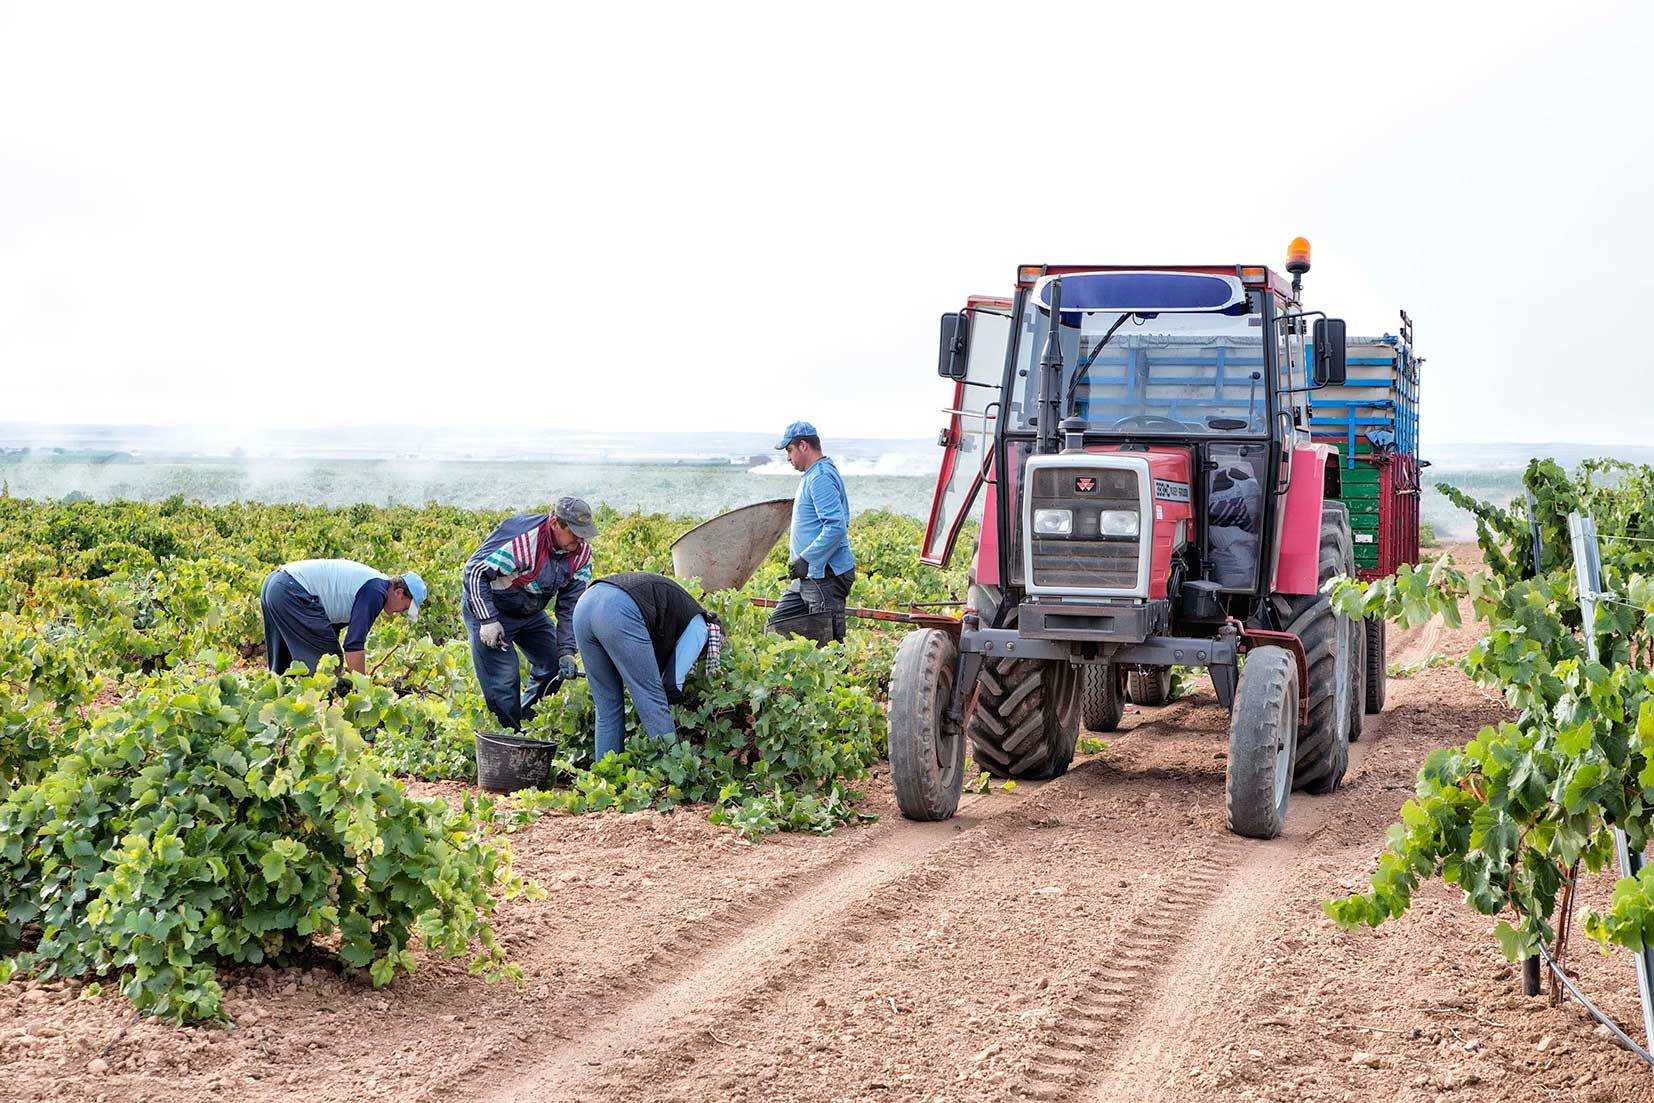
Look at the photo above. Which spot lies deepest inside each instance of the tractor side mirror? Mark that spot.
(955, 344)
(1330, 352)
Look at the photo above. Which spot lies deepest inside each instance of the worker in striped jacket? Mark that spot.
(531, 561)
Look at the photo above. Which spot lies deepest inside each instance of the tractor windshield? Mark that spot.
(1130, 372)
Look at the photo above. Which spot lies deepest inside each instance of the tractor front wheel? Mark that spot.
(927, 752)
(1263, 737)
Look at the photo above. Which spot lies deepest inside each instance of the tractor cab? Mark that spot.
(1142, 432)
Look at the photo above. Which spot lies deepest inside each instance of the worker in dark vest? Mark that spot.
(306, 605)
(641, 632)
(819, 560)
(529, 562)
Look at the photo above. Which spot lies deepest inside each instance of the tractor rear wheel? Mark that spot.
(1150, 686)
(1027, 718)
(1324, 739)
(927, 753)
(1377, 665)
(1100, 696)
(1263, 732)
(1027, 715)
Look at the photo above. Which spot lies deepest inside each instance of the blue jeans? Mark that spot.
(497, 666)
(616, 650)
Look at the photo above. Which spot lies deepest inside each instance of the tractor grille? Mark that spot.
(1085, 559)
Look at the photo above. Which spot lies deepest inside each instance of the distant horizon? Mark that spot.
(513, 430)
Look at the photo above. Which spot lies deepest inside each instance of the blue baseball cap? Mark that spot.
(416, 590)
(794, 431)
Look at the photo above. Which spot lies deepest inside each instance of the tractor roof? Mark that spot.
(1252, 275)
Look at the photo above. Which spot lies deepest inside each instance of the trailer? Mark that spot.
(1372, 418)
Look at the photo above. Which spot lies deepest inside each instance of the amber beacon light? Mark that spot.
(1297, 261)
(1297, 256)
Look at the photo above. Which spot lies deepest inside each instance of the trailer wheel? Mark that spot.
(1377, 663)
(1263, 735)
(1150, 687)
(1358, 677)
(1101, 685)
(927, 754)
(1324, 741)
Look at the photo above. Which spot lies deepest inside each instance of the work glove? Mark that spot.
(492, 634)
(798, 568)
(566, 667)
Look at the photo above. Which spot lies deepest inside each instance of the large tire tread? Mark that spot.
(1026, 720)
(1323, 740)
(1019, 729)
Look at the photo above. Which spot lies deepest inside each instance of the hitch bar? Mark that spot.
(914, 615)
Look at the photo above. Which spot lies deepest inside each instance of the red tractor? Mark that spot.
(1153, 498)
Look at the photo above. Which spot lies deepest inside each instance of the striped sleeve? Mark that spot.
(481, 569)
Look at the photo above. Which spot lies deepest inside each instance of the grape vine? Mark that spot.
(1512, 816)
(168, 807)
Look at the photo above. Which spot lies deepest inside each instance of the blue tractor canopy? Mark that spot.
(1144, 293)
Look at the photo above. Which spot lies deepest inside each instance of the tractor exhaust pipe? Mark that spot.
(1050, 369)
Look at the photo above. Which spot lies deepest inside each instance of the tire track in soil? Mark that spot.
(682, 1050)
(1159, 1028)
(718, 961)
(1096, 1020)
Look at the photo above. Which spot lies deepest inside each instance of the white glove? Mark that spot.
(492, 634)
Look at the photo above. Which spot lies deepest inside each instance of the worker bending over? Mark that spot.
(643, 632)
(529, 562)
(820, 563)
(306, 604)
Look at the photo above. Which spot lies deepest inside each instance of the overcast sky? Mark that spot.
(624, 216)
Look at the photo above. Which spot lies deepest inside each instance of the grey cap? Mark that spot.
(576, 513)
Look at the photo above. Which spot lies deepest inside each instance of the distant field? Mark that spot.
(694, 489)
(1486, 471)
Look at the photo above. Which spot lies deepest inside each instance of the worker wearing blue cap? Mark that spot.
(819, 559)
(307, 604)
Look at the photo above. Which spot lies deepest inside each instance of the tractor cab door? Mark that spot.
(968, 438)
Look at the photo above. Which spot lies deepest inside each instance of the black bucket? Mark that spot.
(506, 763)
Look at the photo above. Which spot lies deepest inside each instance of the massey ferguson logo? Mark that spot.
(1169, 491)
(1085, 484)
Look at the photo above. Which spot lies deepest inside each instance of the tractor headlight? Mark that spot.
(1054, 522)
(1118, 522)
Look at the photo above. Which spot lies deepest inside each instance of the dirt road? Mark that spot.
(1100, 937)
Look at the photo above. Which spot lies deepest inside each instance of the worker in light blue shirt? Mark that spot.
(307, 604)
(819, 559)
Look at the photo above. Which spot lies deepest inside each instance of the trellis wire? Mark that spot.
(1596, 1012)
